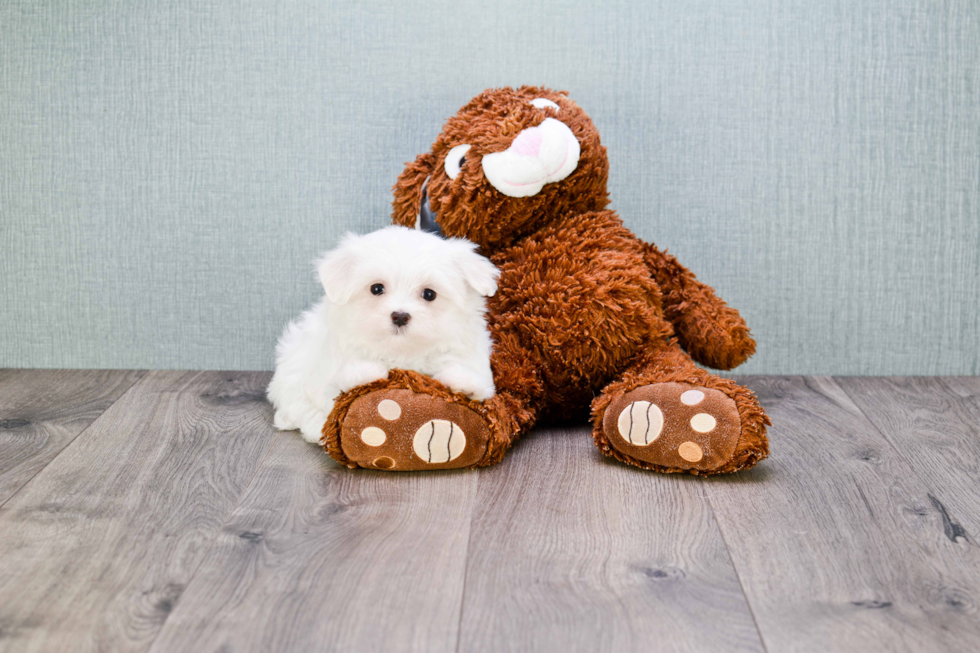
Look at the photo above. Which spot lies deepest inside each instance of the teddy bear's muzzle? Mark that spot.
(537, 156)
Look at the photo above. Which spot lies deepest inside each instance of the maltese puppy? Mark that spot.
(395, 298)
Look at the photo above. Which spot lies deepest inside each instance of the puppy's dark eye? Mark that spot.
(429, 294)
(378, 289)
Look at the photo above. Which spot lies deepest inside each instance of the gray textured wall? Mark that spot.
(168, 170)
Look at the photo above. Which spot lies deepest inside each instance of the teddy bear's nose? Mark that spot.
(528, 142)
(400, 319)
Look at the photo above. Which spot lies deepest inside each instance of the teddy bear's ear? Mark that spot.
(336, 270)
(477, 270)
(408, 190)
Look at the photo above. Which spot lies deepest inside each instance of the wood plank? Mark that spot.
(319, 557)
(572, 551)
(42, 411)
(835, 540)
(934, 423)
(99, 546)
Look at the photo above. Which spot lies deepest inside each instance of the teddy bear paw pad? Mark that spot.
(674, 425)
(401, 430)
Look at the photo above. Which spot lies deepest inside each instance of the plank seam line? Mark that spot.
(466, 560)
(214, 538)
(731, 560)
(913, 469)
(884, 436)
(143, 375)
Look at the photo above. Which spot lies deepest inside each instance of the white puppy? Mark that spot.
(395, 298)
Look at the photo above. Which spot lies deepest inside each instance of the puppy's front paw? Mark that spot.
(360, 372)
(308, 419)
(282, 421)
(312, 426)
(460, 378)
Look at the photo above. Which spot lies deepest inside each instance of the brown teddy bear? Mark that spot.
(585, 315)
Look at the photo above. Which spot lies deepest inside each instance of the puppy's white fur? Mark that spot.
(349, 338)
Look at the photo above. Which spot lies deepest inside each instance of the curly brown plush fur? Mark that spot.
(585, 312)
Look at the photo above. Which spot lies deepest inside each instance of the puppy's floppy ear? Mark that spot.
(336, 270)
(477, 270)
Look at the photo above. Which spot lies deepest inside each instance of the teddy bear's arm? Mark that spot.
(713, 333)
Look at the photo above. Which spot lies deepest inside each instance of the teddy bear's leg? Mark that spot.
(666, 414)
(410, 422)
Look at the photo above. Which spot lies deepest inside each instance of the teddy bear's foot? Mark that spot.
(675, 427)
(401, 430)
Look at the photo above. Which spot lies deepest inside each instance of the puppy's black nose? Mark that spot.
(400, 319)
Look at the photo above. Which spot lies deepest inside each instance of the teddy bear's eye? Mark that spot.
(378, 289)
(455, 159)
(429, 295)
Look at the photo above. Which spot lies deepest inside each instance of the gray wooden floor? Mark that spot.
(160, 511)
